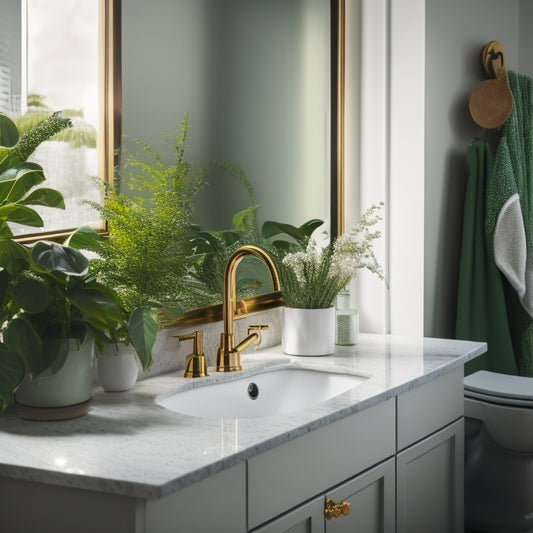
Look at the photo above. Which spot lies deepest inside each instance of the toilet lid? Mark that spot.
(500, 388)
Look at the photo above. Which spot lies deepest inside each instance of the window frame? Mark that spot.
(110, 109)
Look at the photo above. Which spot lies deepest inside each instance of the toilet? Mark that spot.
(498, 452)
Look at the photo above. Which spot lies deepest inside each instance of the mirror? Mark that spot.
(261, 81)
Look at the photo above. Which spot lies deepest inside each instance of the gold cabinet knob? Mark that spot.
(334, 510)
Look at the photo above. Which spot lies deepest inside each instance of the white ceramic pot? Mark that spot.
(62, 395)
(117, 368)
(308, 332)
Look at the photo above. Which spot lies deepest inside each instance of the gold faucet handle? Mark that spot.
(195, 363)
(252, 329)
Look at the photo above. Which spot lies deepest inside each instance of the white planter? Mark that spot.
(308, 332)
(117, 370)
(65, 394)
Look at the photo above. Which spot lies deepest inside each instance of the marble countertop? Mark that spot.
(129, 445)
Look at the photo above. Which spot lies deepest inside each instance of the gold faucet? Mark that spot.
(229, 354)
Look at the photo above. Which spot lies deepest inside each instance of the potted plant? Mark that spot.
(46, 290)
(19, 193)
(59, 316)
(312, 277)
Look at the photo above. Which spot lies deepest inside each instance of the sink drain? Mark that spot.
(253, 391)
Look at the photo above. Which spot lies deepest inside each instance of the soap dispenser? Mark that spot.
(346, 321)
(195, 363)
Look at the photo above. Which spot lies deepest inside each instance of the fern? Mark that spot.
(144, 258)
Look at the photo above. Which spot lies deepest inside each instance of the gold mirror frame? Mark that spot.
(112, 132)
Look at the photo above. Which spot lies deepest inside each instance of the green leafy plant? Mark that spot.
(46, 291)
(19, 179)
(79, 133)
(209, 252)
(54, 299)
(148, 228)
(312, 277)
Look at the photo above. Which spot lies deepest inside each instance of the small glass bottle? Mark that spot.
(346, 321)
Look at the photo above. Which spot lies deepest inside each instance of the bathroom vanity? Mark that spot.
(391, 448)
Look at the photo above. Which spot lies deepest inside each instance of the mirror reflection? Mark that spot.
(253, 77)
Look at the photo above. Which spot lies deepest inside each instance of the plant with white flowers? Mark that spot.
(312, 278)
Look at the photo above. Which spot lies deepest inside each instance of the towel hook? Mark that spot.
(491, 101)
(492, 52)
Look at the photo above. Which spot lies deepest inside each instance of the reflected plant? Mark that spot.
(148, 228)
(209, 252)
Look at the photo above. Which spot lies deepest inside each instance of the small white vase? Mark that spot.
(308, 332)
(117, 368)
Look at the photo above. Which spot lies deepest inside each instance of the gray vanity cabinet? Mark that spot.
(305, 468)
(371, 499)
(430, 458)
(398, 463)
(430, 488)
(417, 490)
(307, 518)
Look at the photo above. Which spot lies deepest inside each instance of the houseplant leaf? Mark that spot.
(301, 235)
(13, 256)
(85, 238)
(21, 215)
(22, 339)
(12, 373)
(32, 295)
(55, 353)
(142, 328)
(245, 220)
(96, 303)
(310, 226)
(45, 197)
(16, 182)
(54, 257)
(9, 135)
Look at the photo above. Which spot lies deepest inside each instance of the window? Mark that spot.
(54, 57)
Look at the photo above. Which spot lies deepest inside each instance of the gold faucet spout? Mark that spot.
(228, 354)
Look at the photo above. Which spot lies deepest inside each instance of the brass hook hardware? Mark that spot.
(334, 510)
(492, 52)
(195, 364)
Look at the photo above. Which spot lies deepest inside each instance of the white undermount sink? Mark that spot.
(270, 393)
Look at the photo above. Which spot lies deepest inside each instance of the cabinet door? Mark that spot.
(371, 499)
(430, 483)
(294, 472)
(308, 518)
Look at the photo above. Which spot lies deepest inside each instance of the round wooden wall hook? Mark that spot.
(491, 101)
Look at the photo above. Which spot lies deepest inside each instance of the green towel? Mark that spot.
(481, 308)
(509, 218)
